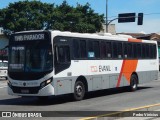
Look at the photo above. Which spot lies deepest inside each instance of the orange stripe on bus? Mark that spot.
(120, 75)
(134, 40)
(128, 67)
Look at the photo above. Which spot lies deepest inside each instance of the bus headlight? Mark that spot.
(45, 83)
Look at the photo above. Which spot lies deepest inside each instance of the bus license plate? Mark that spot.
(25, 91)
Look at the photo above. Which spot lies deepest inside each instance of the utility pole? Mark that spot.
(106, 16)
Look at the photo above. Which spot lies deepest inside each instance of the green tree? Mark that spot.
(26, 15)
(33, 15)
(78, 19)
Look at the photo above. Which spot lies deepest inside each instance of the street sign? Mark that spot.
(126, 17)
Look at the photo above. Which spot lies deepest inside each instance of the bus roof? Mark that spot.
(104, 36)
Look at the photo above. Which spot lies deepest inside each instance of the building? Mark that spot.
(155, 36)
(111, 29)
(152, 36)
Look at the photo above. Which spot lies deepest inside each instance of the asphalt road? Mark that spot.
(107, 100)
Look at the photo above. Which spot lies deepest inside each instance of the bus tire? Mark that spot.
(133, 83)
(79, 90)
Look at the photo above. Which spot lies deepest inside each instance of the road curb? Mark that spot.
(122, 113)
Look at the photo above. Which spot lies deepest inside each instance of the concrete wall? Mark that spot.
(111, 29)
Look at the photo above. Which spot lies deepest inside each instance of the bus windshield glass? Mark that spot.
(36, 57)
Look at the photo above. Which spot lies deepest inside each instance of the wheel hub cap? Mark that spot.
(79, 90)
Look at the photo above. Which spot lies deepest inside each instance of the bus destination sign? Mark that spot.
(29, 37)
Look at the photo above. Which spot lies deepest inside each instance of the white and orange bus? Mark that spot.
(44, 63)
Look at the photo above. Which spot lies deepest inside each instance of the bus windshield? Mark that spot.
(31, 58)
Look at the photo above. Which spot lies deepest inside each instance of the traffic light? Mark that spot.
(140, 18)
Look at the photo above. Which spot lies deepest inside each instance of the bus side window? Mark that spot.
(154, 51)
(139, 51)
(125, 50)
(91, 53)
(135, 51)
(147, 51)
(103, 50)
(143, 51)
(115, 50)
(63, 54)
(96, 49)
(83, 53)
(109, 49)
(120, 53)
(76, 49)
(129, 50)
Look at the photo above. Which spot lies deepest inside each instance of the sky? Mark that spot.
(150, 8)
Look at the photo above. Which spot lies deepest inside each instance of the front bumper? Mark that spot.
(45, 91)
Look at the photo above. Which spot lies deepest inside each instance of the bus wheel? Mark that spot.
(79, 90)
(133, 83)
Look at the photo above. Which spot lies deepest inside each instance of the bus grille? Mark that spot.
(25, 90)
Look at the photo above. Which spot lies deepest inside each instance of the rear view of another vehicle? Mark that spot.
(3, 69)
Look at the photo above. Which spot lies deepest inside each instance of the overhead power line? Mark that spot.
(151, 13)
(144, 14)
